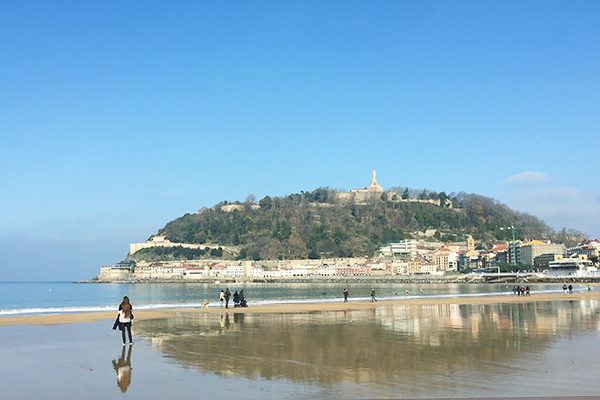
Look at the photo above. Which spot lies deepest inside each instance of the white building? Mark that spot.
(197, 272)
(428, 268)
(399, 267)
(234, 271)
(572, 268)
(589, 248)
(327, 270)
(272, 273)
(257, 272)
(403, 247)
(528, 251)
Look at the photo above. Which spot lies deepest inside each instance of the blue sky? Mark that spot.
(118, 117)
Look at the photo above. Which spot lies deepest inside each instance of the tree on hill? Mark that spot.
(311, 223)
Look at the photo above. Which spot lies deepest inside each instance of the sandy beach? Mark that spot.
(295, 308)
(405, 347)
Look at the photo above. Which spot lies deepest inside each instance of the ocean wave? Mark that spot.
(251, 302)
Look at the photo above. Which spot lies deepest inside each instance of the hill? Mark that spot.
(317, 225)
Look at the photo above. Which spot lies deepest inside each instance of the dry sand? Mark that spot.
(294, 308)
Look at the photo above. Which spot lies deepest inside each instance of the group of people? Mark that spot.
(565, 287)
(521, 291)
(238, 298)
(346, 294)
(125, 315)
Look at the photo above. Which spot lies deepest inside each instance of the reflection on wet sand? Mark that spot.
(439, 346)
(123, 369)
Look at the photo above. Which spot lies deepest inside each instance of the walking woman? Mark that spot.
(125, 317)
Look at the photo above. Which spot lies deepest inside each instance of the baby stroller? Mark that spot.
(243, 302)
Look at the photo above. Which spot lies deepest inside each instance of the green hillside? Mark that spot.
(313, 225)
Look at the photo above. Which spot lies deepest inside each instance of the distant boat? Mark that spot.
(217, 282)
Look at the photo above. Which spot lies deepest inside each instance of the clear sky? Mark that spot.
(117, 117)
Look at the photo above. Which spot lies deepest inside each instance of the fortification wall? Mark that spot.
(134, 247)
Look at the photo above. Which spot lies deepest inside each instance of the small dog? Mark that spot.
(205, 305)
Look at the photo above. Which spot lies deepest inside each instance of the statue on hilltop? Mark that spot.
(374, 186)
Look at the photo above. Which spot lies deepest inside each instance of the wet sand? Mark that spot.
(468, 347)
(295, 308)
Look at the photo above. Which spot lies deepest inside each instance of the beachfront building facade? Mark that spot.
(575, 267)
(541, 263)
(272, 273)
(588, 248)
(428, 268)
(445, 260)
(469, 259)
(197, 272)
(405, 259)
(234, 271)
(353, 270)
(257, 272)
(528, 251)
(406, 247)
(399, 267)
(327, 270)
(497, 255)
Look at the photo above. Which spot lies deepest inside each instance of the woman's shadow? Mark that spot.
(123, 368)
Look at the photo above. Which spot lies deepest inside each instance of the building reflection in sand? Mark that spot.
(392, 345)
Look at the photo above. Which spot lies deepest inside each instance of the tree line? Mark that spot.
(313, 225)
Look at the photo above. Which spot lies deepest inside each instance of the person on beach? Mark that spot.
(420, 291)
(227, 296)
(345, 295)
(570, 289)
(125, 317)
(406, 292)
(242, 298)
(222, 297)
(565, 288)
(236, 299)
(527, 293)
(522, 291)
(589, 287)
(123, 368)
(373, 295)
(515, 290)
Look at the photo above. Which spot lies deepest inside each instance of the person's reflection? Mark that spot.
(238, 318)
(123, 368)
(226, 322)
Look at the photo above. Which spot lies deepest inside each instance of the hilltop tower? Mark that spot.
(369, 194)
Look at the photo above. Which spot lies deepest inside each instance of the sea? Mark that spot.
(43, 298)
(502, 350)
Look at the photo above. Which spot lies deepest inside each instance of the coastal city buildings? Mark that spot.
(419, 254)
(407, 257)
(528, 251)
(404, 247)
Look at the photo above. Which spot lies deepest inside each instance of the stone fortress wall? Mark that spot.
(160, 241)
(373, 193)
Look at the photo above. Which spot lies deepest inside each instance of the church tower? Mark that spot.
(470, 243)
